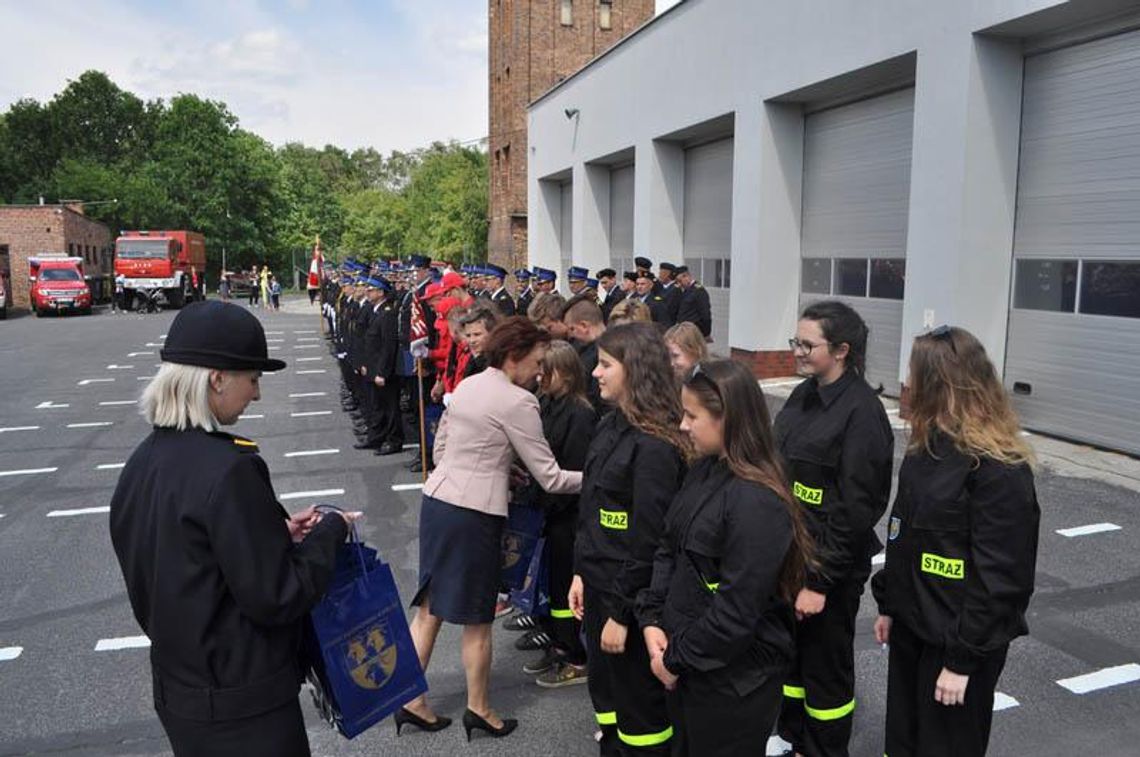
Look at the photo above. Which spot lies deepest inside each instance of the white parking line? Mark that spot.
(1004, 702)
(139, 354)
(154, 344)
(309, 331)
(305, 346)
(116, 367)
(110, 466)
(1102, 679)
(308, 339)
(19, 428)
(310, 413)
(27, 472)
(406, 487)
(86, 382)
(299, 395)
(315, 493)
(312, 452)
(112, 403)
(1092, 528)
(122, 642)
(308, 359)
(274, 341)
(79, 511)
(10, 653)
(307, 373)
(144, 378)
(95, 424)
(785, 382)
(411, 446)
(49, 405)
(274, 333)
(249, 417)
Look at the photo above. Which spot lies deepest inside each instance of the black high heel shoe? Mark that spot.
(472, 722)
(404, 717)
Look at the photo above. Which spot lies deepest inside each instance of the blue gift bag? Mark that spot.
(520, 537)
(534, 596)
(432, 415)
(363, 663)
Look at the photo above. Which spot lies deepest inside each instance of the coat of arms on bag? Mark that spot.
(370, 656)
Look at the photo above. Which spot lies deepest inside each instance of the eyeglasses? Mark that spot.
(798, 345)
(945, 333)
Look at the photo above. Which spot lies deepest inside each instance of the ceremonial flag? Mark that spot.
(315, 266)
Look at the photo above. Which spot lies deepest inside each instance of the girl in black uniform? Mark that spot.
(717, 618)
(633, 470)
(961, 551)
(838, 447)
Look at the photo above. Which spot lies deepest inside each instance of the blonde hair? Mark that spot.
(630, 311)
(955, 389)
(179, 397)
(689, 338)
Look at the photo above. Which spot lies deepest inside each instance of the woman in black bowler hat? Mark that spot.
(218, 574)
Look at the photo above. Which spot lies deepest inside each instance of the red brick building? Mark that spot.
(30, 230)
(534, 44)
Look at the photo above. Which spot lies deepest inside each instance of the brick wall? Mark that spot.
(766, 364)
(33, 230)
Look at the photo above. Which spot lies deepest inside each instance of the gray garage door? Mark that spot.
(856, 198)
(565, 230)
(708, 227)
(621, 219)
(1073, 351)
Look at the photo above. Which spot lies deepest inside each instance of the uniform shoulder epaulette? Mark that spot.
(657, 298)
(245, 445)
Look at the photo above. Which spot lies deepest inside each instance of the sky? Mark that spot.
(389, 74)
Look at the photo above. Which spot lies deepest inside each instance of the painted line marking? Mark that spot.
(79, 511)
(116, 367)
(19, 428)
(10, 653)
(1004, 702)
(1102, 679)
(274, 333)
(49, 405)
(249, 417)
(786, 382)
(305, 346)
(879, 559)
(316, 493)
(273, 347)
(162, 336)
(112, 403)
(312, 452)
(144, 378)
(308, 338)
(95, 424)
(110, 466)
(123, 642)
(308, 359)
(274, 341)
(1093, 528)
(307, 373)
(411, 446)
(310, 413)
(153, 344)
(299, 395)
(308, 331)
(139, 354)
(85, 382)
(406, 487)
(27, 472)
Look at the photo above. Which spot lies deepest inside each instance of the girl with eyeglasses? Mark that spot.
(717, 618)
(634, 467)
(838, 447)
(961, 551)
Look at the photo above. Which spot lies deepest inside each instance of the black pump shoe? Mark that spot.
(404, 717)
(472, 722)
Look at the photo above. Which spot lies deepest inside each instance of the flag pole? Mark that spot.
(423, 424)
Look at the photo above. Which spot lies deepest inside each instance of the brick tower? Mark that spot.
(534, 44)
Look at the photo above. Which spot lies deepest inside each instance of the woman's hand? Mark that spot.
(667, 679)
(379, 381)
(613, 637)
(656, 642)
(950, 688)
(576, 597)
(809, 603)
(301, 523)
(883, 629)
(437, 392)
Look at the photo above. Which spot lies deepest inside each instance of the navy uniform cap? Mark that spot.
(496, 270)
(629, 276)
(375, 282)
(219, 335)
(592, 283)
(681, 269)
(522, 274)
(577, 273)
(545, 274)
(643, 262)
(605, 272)
(668, 267)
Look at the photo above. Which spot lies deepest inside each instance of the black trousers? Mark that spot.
(277, 733)
(917, 725)
(629, 701)
(384, 421)
(710, 719)
(819, 695)
(561, 624)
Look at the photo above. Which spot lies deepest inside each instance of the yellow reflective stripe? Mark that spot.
(606, 718)
(835, 713)
(946, 567)
(794, 692)
(245, 443)
(561, 614)
(713, 586)
(618, 521)
(807, 494)
(648, 739)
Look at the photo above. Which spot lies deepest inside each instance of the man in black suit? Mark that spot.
(609, 293)
(669, 290)
(494, 277)
(525, 291)
(695, 306)
(655, 302)
(381, 351)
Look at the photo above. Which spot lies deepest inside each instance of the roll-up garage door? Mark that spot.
(856, 199)
(708, 227)
(621, 219)
(1073, 349)
(565, 230)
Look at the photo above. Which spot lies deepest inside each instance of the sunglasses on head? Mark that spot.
(945, 333)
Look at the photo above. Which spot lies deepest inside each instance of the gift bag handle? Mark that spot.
(353, 535)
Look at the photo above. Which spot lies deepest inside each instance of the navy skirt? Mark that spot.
(461, 558)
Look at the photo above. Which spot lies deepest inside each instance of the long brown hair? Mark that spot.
(652, 398)
(562, 359)
(955, 389)
(730, 393)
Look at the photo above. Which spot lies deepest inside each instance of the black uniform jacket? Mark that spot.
(382, 341)
(629, 481)
(839, 450)
(961, 552)
(524, 301)
(212, 575)
(362, 318)
(614, 296)
(588, 355)
(695, 308)
(504, 302)
(568, 424)
(672, 296)
(716, 579)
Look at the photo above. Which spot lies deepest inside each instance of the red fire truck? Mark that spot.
(169, 263)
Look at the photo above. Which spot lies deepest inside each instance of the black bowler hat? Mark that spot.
(219, 335)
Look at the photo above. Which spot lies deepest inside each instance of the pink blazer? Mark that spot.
(488, 423)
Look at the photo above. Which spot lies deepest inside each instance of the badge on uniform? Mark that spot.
(895, 527)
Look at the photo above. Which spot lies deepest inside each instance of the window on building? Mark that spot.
(507, 168)
(1110, 288)
(71, 249)
(815, 276)
(888, 278)
(851, 277)
(1045, 285)
(567, 15)
(605, 14)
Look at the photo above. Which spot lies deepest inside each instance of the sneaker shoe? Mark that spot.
(520, 622)
(549, 659)
(503, 607)
(534, 641)
(563, 674)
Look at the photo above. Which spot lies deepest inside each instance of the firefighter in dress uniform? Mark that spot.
(525, 292)
(497, 290)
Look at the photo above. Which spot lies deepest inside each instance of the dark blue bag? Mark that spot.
(534, 596)
(432, 415)
(363, 665)
(520, 537)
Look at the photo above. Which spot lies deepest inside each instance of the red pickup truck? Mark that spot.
(58, 286)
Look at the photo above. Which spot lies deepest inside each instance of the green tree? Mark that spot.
(375, 224)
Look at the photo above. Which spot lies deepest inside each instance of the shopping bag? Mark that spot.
(432, 415)
(520, 537)
(534, 596)
(362, 663)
